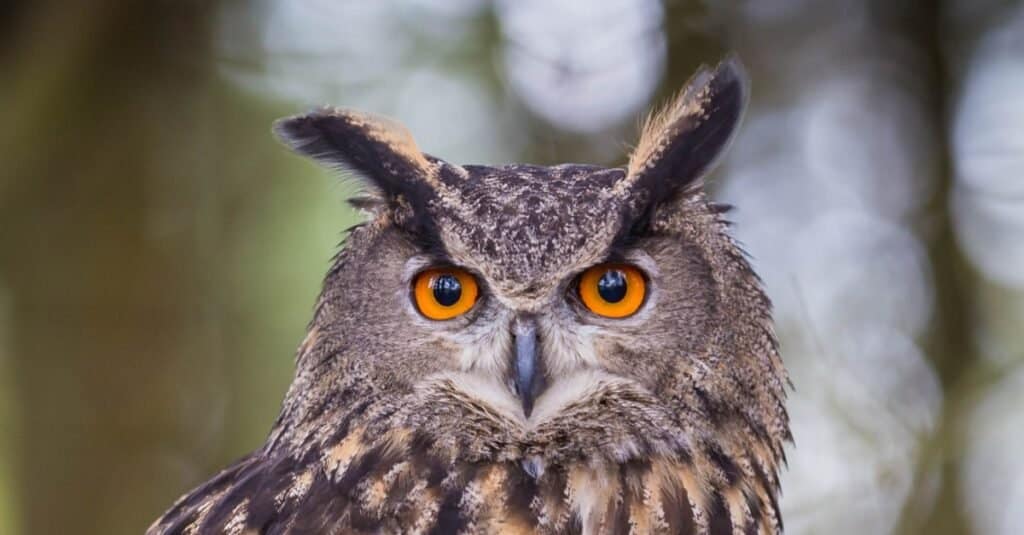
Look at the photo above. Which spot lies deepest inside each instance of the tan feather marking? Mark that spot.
(337, 458)
(202, 511)
(426, 504)
(639, 518)
(670, 483)
(739, 512)
(590, 493)
(309, 341)
(653, 484)
(492, 511)
(697, 494)
(484, 504)
(377, 492)
(297, 489)
(395, 441)
(236, 522)
(766, 464)
(769, 522)
(552, 510)
(764, 526)
(765, 458)
(514, 526)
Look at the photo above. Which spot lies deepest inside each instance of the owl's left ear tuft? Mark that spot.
(381, 151)
(681, 143)
(400, 181)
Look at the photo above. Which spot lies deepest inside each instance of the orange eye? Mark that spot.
(613, 290)
(442, 294)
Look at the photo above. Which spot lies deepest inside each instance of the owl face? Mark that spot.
(536, 287)
(531, 290)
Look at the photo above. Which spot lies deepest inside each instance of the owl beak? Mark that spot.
(528, 378)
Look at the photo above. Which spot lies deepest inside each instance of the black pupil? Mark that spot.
(612, 286)
(447, 290)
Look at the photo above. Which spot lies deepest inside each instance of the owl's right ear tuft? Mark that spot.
(682, 142)
(380, 151)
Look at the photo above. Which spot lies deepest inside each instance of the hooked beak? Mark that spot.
(527, 375)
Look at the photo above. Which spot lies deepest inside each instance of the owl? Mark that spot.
(524, 349)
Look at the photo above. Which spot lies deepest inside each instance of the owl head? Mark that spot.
(593, 332)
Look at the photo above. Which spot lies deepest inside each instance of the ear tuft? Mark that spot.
(680, 143)
(403, 182)
(380, 150)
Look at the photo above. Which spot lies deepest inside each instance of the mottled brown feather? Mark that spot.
(669, 421)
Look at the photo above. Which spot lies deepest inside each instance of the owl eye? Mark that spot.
(613, 290)
(444, 293)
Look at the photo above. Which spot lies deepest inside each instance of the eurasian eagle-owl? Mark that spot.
(522, 349)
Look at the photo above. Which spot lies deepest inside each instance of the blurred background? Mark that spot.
(160, 253)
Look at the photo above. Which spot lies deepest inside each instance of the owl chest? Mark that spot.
(513, 497)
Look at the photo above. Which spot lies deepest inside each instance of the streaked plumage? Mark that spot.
(671, 420)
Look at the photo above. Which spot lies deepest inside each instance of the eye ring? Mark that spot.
(444, 293)
(613, 290)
